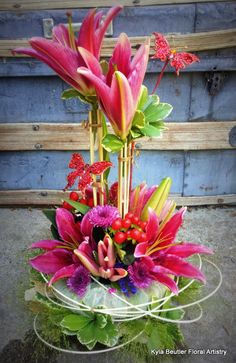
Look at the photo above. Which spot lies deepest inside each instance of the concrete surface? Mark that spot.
(215, 227)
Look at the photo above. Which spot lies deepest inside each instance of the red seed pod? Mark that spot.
(120, 237)
(126, 223)
(66, 206)
(74, 196)
(135, 234)
(135, 220)
(117, 224)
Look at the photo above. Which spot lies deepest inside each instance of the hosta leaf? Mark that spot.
(112, 143)
(75, 322)
(78, 206)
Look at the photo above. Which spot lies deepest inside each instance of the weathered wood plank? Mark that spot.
(180, 136)
(70, 4)
(210, 173)
(48, 169)
(218, 39)
(55, 197)
(21, 67)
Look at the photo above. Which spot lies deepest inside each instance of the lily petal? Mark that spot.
(167, 281)
(52, 261)
(120, 59)
(188, 249)
(179, 267)
(152, 226)
(66, 225)
(87, 261)
(140, 249)
(170, 229)
(91, 62)
(66, 271)
(119, 273)
(47, 244)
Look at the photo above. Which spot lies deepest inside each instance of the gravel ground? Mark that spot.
(215, 227)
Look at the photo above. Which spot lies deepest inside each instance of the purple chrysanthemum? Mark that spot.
(139, 274)
(79, 281)
(103, 216)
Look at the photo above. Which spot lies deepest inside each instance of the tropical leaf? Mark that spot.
(112, 143)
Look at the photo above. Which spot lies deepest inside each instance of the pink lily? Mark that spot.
(62, 55)
(139, 197)
(165, 256)
(118, 95)
(59, 260)
(105, 266)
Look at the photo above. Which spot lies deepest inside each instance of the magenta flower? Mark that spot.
(103, 216)
(118, 94)
(164, 256)
(59, 259)
(79, 281)
(62, 55)
(139, 274)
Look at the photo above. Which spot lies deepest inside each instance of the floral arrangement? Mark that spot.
(114, 268)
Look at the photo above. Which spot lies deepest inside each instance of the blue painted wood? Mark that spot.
(210, 172)
(48, 170)
(134, 21)
(38, 99)
(22, 67)
(222, 106)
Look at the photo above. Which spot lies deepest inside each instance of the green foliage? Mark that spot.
(51, 215)
(106, 156)
(73, 93)
(189, 294)
(78, 206)
(149, 115)
(91, 329)
(112, 143)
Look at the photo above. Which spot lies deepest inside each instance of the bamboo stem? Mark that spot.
(92, 156)
(120, 183)
(128, 176)
(125, 179)
(100, 155)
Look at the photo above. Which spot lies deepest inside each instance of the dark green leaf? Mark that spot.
(54, 232)
(70, 93)
(112, 143)
(78, 206)
(51, 215)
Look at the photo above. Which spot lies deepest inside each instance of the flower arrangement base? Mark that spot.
(133, 317)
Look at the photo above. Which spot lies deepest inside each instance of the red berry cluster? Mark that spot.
(129, 228)
(75, 197)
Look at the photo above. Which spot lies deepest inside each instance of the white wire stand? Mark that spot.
(129, 311)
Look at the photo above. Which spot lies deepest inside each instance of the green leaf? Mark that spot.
(93, 333)
(138, 120)
(101, 320)
(51, 215)
(175, 314)
(143, 97)
(151, 131)
(135, 133)
(156, 112)
(151, 100)
(54, 232)
(73, 93)
(70, 93)
(78, 206)
(75, 322)
(112, 143)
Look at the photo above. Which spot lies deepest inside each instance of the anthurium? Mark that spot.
(118, 94)
(164, 256)
(61, 53)
(59, 260)
(105, 265)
